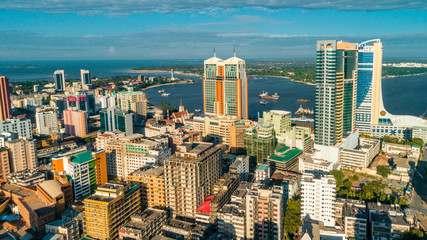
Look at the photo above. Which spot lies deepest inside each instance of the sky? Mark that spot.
(188, 29)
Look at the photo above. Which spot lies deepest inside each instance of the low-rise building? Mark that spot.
(240, 166)
(361, 156)
(311, 163)
(144, 225)
(27, 178)
(262, 173)
(386, 221)
(355, 220)
(285, 159)
(69, 229)
(178, 229)
(289, 181)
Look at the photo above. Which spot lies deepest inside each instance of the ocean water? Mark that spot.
(402, 95)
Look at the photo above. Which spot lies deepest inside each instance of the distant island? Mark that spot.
(298, 71)
(24, 66)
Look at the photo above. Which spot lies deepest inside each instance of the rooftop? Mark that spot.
(140, 220)
(51, 187)
(152, 171)
(82, 157)
(286, 156)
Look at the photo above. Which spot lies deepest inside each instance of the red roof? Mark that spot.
(105, 135)
(206, 205)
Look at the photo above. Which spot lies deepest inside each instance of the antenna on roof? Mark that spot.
(214, 52)
(234, 52)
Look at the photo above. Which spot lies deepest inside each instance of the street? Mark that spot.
(419, 199)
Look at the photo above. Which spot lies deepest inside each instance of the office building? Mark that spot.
(113, 119)
(36, 88)
(5, 106)
(285, 159)
(75, 122)
(264, 212)
(240, 166)
(130, 153)
(85, 77)
(335, 91)
(189, 177)
(88, 170)
(47, 122)
(360, 156)
(152, 186)
(318, 198)
(109, 208)
(22, 154)
(144, 225)
(4, 164)
(260, 141)
(225, 87)
(17, 125)
(215, 128)
(59, 80)
(281, 121)
(298, 137)
(83, 101)
(134, 102)
(102, 139)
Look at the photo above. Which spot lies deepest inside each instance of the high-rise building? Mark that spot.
(75, 122)
(85, 77)
(335, 90)
(36, 88)
(281, 120)
(215, 128)
(4, 164)
(264, 212)
(22, 154)
(83, 101)
(318, 198)
(47, 122)
(368, 84)
(113, 119)
(16, 125)
(134, 102)
(87, 169)
(225, 87)
(260, 141)
(189, 177)
(109, 208)
(152, 183)
(59, 79)
(5, 106)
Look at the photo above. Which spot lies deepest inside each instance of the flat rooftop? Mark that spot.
(155, 171)
(141, 220)
(286, 156)
(82, 157)
(51, 187)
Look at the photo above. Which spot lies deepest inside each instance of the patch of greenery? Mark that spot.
(384, 171)
(292, 218)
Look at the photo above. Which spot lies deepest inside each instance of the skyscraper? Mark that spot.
(5, 108)
(335, 90)
(75, 122)
(113, 119)
(59, 79)
(368, 84)
(85, 77)
(134, 102)
(225, 89)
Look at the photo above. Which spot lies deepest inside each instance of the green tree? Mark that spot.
(403, 202)
(89, 140)
(413, 234)
(339, 177)
(384, 171)
(417, 141)
(292, 217)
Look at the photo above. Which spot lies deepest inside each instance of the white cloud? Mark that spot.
(114, 7)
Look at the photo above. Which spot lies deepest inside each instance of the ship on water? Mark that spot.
(166, 94)
(304, 111)
(263, 102)
(161, 91)
(264, 95)
(303, 100)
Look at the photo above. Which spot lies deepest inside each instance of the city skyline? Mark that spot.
(143, 30)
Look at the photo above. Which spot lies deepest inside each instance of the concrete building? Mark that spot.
(154, 127)
(75, 122)
(108, 209)
(5, 106)
(179, 229)
(22, 154)
(260, 141)
(27, 178)
(59, 80)
(289, 181)
(281, 121)
(67, 228)
(17, 125)
(88, 170)
(264, 213)
(47, 122)
(113, 119)
(102, 139)
(355, 220)
(225, 87)
(312, 163)
(82, 101)
(336, 77)
(285, 159)
(262, 173)
(134, 102)
(51, 193)
(189, 177)
(298, 137)
(85, 77)
(128, 154)
(240, 166)
(318, 198)
(420, 132)
(386, 221)
(216, 128)
(361, 156)
(4, 164)
(144, 225)
(152, 186)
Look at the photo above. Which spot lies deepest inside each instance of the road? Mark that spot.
(419, 182)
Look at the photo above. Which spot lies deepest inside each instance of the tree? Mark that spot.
(89, 140)
(413, 234)
(339, 177)
(403, 202)
(292, 217)
(384, 171)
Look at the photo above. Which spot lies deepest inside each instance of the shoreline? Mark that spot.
(164, 71)
(166, 84)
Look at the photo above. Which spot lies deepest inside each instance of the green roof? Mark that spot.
(415, 146)
(287, 156)
(282, 149)
(262, 167)
(69, 178)
(82, 157)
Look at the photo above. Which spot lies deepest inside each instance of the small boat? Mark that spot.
(197, 110)
(303, 100)
(166, 94)
(263, 103)
(161, 91)
(275, 96)
(263, 94)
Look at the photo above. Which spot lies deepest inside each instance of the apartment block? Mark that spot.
(355, 220)
(152, 184)
(134, 102)
(17, 125)
(189, 177)
(4, 164)
(240, 166)
(22, 154)
(318, 196)
(144, 225)
(109, 208)
(75, 122)
(102, 139)
(47, 122)
(216, 128)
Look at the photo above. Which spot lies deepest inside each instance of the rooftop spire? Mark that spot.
(234, 52)
(180, 102)
(214, 52)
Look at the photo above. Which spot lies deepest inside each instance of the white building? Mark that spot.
(262, 172)
(47, 122)
(420, 132)
(85, 77)
(318, 197)
(102, 139)
(20, 126)
(59, 80)
(264, 213)
(361, 156)
(240, 166)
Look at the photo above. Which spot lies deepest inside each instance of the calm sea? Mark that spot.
(402, 95)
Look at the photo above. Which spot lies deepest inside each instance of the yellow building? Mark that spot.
(109, 208)
(152, 183)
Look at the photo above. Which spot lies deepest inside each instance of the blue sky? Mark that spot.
(165, 29)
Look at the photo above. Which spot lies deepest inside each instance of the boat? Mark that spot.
(197, 110)
(275, 96)
(263, 103)
(166, 94)
(161, 91)
(303, 100)
(263, 94)
(304, 111)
